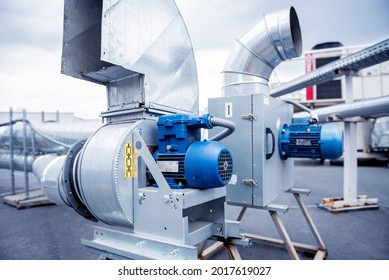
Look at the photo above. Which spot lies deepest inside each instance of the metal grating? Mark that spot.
(225, 166)
(375, 54)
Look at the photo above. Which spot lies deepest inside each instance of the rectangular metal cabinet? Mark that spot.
(260, 175)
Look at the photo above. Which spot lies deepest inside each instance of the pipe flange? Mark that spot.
(70, 184)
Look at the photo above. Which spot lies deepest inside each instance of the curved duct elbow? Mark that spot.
(277, 37)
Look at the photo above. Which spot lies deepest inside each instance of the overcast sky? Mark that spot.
(31, 42)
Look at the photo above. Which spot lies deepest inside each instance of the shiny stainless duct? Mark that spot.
(277, 37)
(140, 50)
(48, 170)
(40, 165)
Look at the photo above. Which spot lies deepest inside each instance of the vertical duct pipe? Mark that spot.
(277, 37)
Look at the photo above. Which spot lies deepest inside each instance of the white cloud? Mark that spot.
(31, 79)
(31, 42)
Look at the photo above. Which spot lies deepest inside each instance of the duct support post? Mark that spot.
(11, 152)
(350, 199)
(28, 198)
(319, 252)
(25, 153)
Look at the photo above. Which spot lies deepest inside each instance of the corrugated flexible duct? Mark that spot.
(277, 37)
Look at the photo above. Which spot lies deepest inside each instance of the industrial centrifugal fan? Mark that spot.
(150, 170)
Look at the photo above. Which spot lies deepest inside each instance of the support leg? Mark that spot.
(310, 222)
(232, 251)
(350, 199)
(322, 250)
(284, 235)
(350, 174)
(241, 214)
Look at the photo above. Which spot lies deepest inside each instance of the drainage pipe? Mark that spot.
(277, 37)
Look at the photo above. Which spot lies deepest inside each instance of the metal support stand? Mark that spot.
(25, 152)
(11, 152)
(319, 252)
(228, 245)
(350, 199)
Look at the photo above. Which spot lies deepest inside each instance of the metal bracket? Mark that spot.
(336, 118)
(250, 182)
(276, 208)
(163, 186)
(115, 244)
(249, 117)
(351, 72)
(299, 191)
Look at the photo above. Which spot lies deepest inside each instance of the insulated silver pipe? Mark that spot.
(370, 108)
(17, 161)
(49, 138)
(277, 37)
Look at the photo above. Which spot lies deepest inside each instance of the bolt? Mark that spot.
(165, 199)
(219, 228)
(168, 147)
(141, 197)
(225, 166)
(174, 252)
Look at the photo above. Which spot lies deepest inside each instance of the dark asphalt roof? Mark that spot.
(54, 232)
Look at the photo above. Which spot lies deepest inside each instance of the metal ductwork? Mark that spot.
(277, 37)
(48, 137)
(140, 50)
(19, 162)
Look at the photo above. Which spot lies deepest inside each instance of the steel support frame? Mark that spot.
(114, 244)
(319, 251)
(11, 151)
(228, 244)
(25, 153)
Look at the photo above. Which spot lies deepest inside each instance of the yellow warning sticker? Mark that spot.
(129, 161)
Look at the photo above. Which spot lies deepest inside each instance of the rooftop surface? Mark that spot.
(54, 232)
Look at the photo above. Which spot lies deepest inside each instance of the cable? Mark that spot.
(230, 125)
(314, 116)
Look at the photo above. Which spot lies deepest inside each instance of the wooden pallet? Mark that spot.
(36, 198)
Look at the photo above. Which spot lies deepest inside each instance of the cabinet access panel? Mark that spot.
(260, 174)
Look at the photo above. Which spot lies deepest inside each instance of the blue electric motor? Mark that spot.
(303, 140)
(184, 160)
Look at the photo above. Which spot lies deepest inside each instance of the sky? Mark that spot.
(31, 45)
